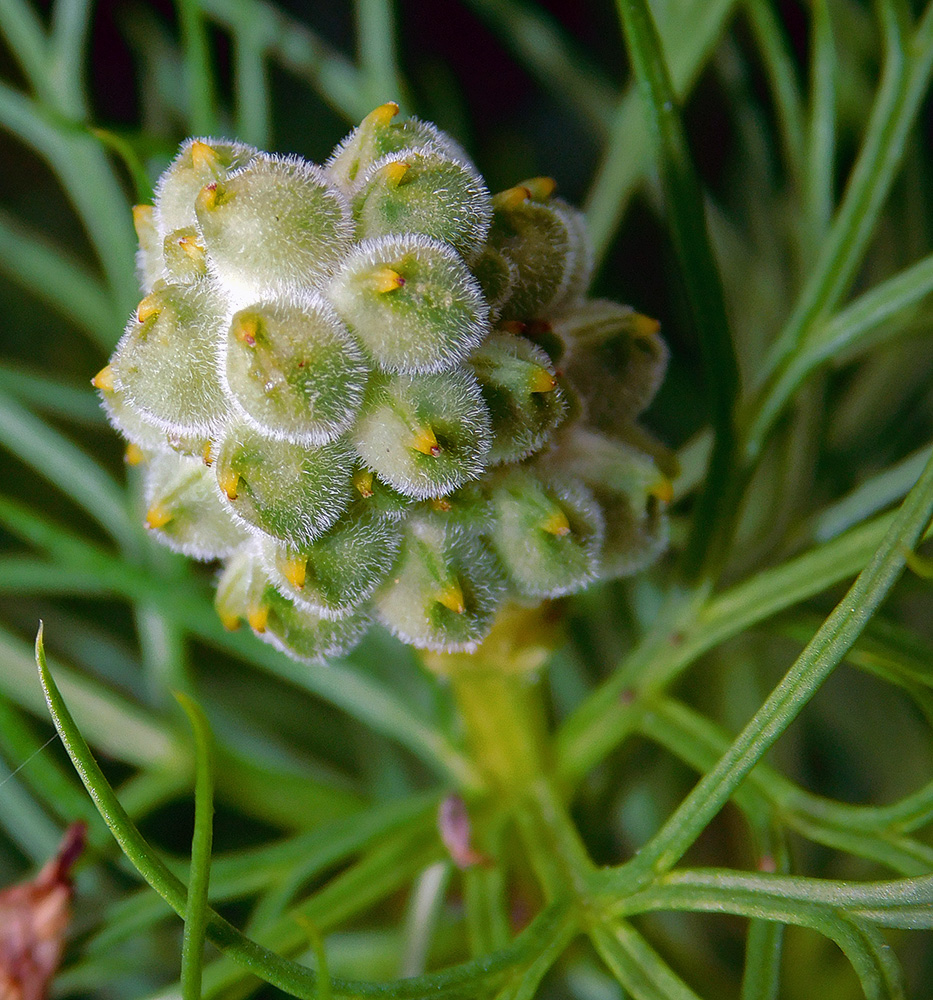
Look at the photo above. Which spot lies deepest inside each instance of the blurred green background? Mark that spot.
(529, 89)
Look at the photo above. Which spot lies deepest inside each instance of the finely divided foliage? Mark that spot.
(369, 393)
(314, 340)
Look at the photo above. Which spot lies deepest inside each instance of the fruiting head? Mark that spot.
(378, 393)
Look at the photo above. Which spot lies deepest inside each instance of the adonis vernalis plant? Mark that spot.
(673, 738)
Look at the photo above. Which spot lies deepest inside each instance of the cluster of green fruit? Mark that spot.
(376, 392)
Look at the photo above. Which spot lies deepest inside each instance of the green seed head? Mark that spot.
(547, 533)
(521, 390)
(380, 134)
(293, 492)
(199, 162)
(335, 574)
(444, 590)
(617, 359)
(378, 393)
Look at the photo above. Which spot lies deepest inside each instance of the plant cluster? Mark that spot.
(374, 389)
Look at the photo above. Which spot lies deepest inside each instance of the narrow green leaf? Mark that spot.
(901, 903)
(779, 66)
(162, 651)
(129, 838)
(761, 976)
(560, 66)
(872, 959)
(358, 888)
(371, 702)
(424, 909)
(847, 335)
(117, 144)
(287, 975)
(902, 854)
(906, 665)
(629, 156)
(636, 965)
(800, 578)
(58, 279)
(196, 904)
(811, 669)
(27, 42)
(144, 859)
(298, 50)
(687, 219)
(69, 469)
(485, 896)
(119, 728)
(846, 332)
(320, 954)
(525, 984)
(199, 76)
(692, 626)
(36, 390)
(376, 48)
(876, 493)
(908, 64)
(68, 40)
(297, 859)
(252, 104)
(872, 832)
(23, 575)
(83, 171)
(819, 175)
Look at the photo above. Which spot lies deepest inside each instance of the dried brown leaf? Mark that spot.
(34, 916)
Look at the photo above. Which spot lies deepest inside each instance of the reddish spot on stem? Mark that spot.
(453, 824)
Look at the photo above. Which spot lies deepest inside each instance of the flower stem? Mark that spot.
(505, 726)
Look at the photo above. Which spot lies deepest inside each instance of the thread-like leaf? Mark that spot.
(687, 221)
(196, 904)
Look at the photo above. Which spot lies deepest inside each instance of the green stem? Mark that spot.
(196, 908)
(503, 733)
(506, 731)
